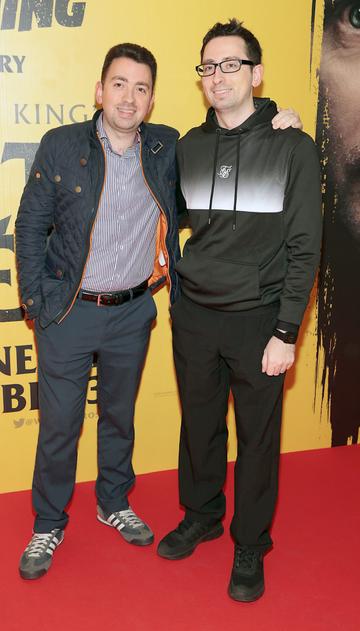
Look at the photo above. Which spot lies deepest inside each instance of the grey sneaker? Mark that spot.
(37, 556)
(129, 525)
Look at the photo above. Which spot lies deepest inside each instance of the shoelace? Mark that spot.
(129, 517)
(40, 542)
(245, 558)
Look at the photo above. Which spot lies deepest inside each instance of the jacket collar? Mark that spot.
(147, 137)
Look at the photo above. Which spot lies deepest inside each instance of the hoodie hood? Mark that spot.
(265, 110)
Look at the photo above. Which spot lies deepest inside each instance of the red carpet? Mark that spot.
(97, 581)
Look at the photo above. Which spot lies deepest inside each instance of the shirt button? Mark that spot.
(83, 162)
(38, 175)
(57, 178)
(29, 302)
(121, 247)
(77, 189)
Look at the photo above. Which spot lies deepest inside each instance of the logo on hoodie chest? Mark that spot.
(224, 171)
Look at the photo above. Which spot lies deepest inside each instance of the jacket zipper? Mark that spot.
(161, 210)
(89, 248)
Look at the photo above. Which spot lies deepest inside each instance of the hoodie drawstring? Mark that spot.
(236, 181)
(214, 173)
(218, 132)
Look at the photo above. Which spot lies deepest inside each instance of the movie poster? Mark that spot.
(51, 53)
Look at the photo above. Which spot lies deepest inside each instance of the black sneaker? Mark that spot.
(182, 541)
(37, 556)
(247, 576)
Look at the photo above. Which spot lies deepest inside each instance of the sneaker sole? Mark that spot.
(133, 540)
(30, 576)
(242, 596)
(213, 534)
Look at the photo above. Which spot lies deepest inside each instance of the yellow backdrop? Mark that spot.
(49, 63)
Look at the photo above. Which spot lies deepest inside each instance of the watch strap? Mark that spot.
(288, 337)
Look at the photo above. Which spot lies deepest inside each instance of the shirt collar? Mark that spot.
(105, 139)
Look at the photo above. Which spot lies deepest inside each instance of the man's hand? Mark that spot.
(287, 118)
(278, 357)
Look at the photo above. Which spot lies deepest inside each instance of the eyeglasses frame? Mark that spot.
(245, 62)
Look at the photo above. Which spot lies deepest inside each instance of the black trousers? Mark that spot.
(119, 335)
(214, 352)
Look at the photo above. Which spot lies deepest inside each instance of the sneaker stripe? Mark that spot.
(120, 527)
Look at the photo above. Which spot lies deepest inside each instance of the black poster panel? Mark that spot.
(338, 137)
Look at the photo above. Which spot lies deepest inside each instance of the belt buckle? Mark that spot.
(98, 303)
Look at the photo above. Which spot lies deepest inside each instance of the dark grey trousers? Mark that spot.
(119, 336)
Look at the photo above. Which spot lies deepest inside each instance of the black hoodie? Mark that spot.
(254, 203)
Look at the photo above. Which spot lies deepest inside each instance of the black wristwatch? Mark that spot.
(285, 336)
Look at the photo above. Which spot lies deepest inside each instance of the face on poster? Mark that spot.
(340, 84)
(338, 137)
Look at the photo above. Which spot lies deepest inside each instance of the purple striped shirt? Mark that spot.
(124, 236)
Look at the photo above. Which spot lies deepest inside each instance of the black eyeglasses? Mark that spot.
(228, 65)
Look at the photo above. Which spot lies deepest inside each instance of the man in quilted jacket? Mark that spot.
(96, 230)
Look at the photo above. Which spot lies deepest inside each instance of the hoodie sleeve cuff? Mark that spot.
(287, 326)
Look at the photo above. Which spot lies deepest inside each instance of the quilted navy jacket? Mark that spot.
(58, 210)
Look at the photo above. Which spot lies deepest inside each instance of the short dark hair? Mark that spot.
(132, 51)
(234, 27)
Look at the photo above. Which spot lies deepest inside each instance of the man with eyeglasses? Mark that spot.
(253, 199)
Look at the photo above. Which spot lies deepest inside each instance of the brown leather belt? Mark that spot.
(113, 298)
